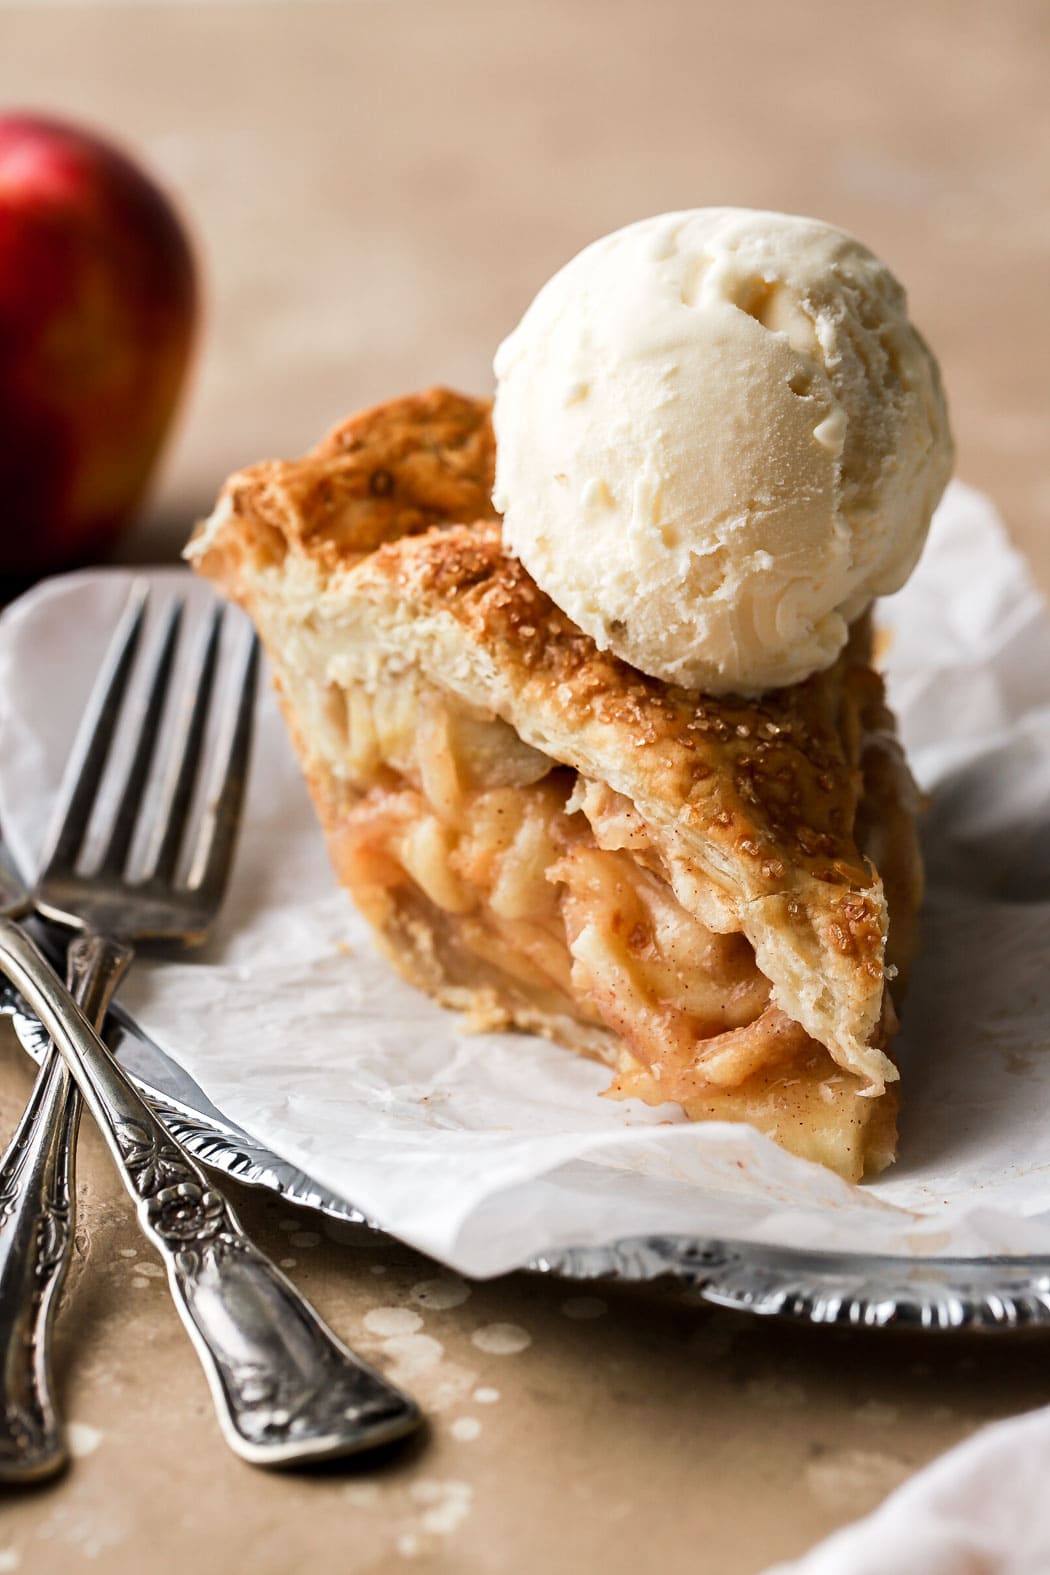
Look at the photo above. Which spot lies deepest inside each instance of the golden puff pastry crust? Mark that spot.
(697, 871)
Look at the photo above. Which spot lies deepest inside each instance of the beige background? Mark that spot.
(377, 190)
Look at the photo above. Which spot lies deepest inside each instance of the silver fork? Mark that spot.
(285, 1389)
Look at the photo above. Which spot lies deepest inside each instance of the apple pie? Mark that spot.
(715, 897)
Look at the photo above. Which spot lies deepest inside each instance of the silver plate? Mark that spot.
(852, 1290)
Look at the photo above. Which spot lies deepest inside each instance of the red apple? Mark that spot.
(98, 300)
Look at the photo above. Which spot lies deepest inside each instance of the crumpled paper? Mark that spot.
(484, 1151)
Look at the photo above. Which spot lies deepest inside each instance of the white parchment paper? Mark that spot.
(485, 1150)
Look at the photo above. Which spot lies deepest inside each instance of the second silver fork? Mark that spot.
(285, 1389)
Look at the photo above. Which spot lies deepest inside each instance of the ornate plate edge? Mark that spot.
(934, 1295)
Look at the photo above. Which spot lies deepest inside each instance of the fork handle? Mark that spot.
(285, 1389)
(37, 1223)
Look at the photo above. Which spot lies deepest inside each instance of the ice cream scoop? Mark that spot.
(719, 438)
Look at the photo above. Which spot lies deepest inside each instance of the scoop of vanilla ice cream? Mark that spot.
(718, 439)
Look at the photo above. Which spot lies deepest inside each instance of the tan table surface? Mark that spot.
(378, 189)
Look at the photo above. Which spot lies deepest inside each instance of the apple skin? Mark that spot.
(98, 307)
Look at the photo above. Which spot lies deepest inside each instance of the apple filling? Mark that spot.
(511, 879)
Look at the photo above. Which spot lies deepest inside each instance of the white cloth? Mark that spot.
(981, 1509)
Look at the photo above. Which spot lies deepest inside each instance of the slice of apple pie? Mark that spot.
(710, 896)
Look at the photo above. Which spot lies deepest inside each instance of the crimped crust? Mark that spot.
(384, 474)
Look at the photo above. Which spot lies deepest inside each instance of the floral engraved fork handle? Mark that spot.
(285, 1389)
(36, 1192)
(37, 1220)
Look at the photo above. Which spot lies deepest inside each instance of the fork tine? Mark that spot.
(94, 737)
(186, 749)
(214, 857)
(148, 731)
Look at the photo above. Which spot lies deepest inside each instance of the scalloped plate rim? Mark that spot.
(803, 1285)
